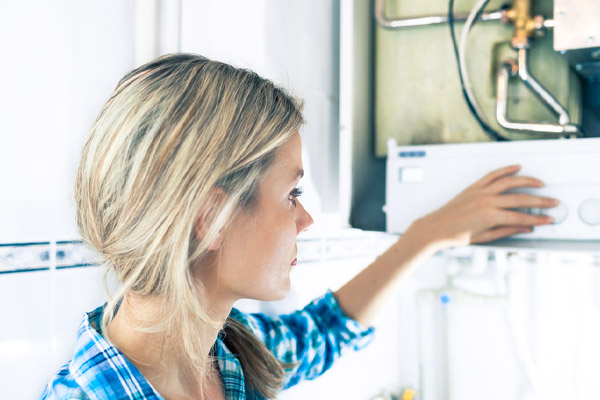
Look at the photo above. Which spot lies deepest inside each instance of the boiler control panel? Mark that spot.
(422, 178)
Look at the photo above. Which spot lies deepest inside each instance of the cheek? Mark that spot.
(265, 243)
(273, 276)
(278, 239)
(259, 258)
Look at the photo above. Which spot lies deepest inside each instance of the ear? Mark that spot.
(206, 218)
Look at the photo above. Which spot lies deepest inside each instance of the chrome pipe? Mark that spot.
(429, 20)
(544, 95)
(506, 70)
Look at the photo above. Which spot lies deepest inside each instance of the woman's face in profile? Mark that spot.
(259, 247)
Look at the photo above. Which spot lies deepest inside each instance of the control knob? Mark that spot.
(559, 213)
(589, 211)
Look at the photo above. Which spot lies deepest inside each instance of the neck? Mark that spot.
(154, 354)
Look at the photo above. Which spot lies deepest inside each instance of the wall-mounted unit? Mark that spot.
(483, 70)
(464, 89)
(420, 179)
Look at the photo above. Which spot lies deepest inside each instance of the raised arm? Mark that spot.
(481, 213)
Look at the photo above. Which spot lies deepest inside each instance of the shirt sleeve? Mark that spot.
(308, 341)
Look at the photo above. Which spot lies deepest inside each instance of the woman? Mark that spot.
(187, 188)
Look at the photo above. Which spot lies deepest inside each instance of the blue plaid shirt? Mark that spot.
(311, 339)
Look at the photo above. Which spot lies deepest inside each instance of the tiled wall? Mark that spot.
(60, 61)
(40, 314)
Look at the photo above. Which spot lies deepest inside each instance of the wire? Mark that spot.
(464, 84)
(462, 50)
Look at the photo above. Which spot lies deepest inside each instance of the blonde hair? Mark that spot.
(173, 131)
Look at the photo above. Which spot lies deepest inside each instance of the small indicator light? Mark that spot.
(445, 299)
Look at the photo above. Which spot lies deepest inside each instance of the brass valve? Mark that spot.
(525, 25)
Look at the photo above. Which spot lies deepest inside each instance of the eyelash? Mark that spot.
(294, 194)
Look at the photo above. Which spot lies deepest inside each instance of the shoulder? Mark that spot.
(98, 369)
(63, 386)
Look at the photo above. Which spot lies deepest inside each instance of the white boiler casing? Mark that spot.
(422, 178)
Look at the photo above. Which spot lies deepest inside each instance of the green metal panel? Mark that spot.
(418, 97)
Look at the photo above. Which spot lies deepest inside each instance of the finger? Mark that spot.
(513, 182)
(514, 218)
(500, 233)
(496, 174)
(522, 200)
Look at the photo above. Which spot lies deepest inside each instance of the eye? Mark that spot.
(294, 194)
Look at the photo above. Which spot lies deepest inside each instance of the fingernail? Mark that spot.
(525, 230)
(549, 220)
(540, 183)
(554, 201)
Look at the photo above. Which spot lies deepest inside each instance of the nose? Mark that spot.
(303, 218)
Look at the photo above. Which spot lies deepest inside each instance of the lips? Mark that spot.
(295, 261)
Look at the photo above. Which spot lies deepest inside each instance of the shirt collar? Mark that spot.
(103, 372)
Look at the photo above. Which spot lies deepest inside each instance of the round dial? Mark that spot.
(589, 211)
(559, 213)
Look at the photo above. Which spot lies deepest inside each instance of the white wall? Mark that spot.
(60, 61)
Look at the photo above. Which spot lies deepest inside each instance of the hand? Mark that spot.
(481, 213)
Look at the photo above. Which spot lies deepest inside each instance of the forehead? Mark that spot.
(291, 151)
(288, 162)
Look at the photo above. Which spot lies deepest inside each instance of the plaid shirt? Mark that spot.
(311, 339)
